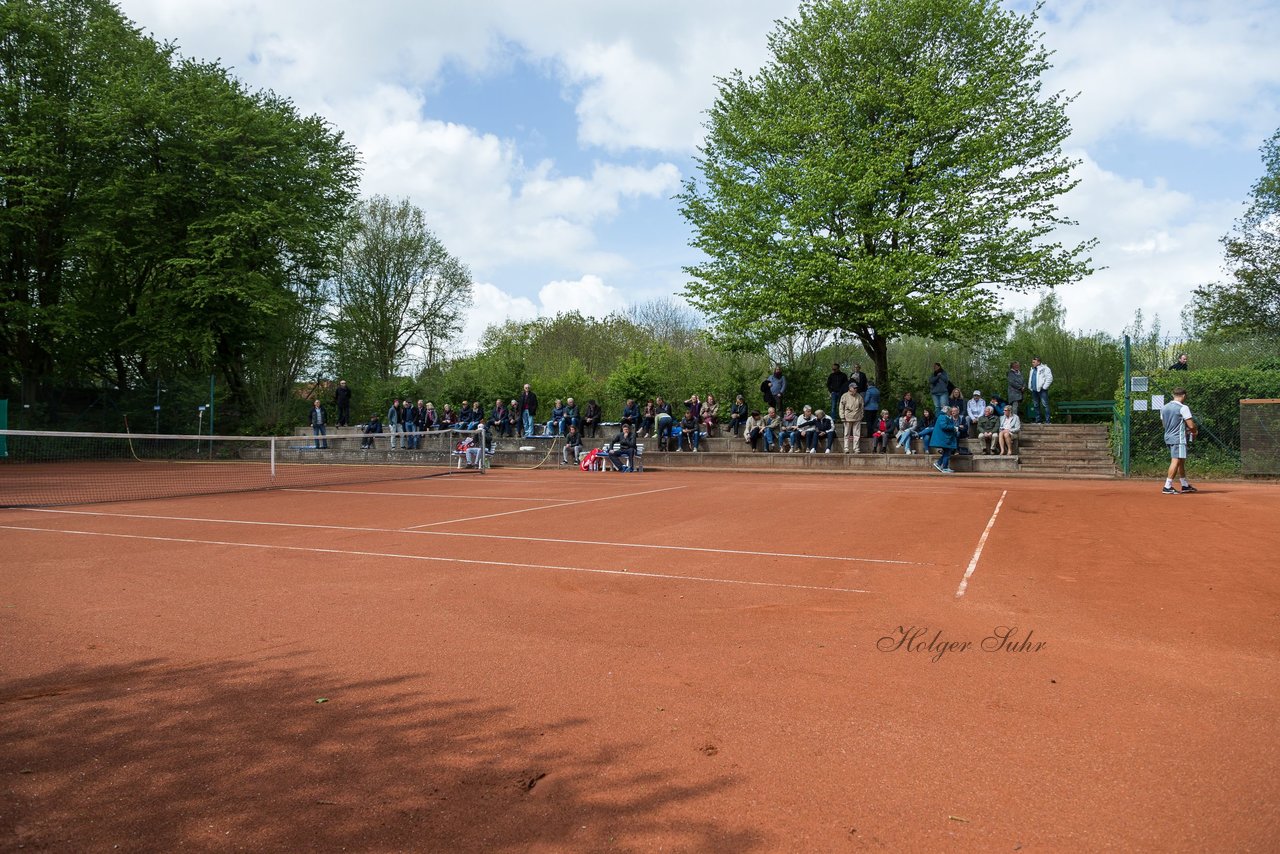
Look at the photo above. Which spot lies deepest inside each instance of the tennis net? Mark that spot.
(40, 468)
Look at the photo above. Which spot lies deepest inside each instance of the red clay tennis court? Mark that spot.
(552, 660)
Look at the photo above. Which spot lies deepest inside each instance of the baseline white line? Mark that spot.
(499, 563)
(531, 509)
(478, 536)
(419, 494)
(982, 541)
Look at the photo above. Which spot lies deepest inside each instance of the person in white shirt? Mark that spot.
(975, 409)
(1010, 424)
(1038, 385)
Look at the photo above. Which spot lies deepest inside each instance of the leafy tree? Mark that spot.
(893, 164)
(159, 220)
(397, 290)
(1249, 302)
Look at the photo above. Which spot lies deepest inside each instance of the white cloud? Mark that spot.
(589, 296)
(1181, 70)
(488, 206)
(491, 306)
(1155, 243)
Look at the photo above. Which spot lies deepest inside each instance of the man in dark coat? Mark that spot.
(1017, 386)
(528, 408)
(342, 398)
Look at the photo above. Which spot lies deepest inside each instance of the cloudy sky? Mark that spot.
(545, 140)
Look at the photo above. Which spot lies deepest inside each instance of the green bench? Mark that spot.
(1084, 407)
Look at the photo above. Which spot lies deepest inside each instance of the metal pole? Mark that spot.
(1127, 418)
(157, 407)
(211, 378)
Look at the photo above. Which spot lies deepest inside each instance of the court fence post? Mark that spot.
(273, 458)
(1126, 419)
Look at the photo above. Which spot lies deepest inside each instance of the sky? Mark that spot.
(545, 140)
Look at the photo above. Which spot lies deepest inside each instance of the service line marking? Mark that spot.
(982, 541)
(554, 540)
(433, 558)
(420, 494)
(545, 507)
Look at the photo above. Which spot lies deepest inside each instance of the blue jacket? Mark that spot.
(944, 433)
(871, 400)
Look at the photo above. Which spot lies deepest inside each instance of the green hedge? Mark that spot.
(1214, 397)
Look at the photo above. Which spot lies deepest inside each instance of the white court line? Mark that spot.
(982, 541)
(531, 509)
(419, 494)
(499, 563)
(479, 536)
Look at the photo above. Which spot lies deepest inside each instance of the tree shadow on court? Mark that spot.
(241, 755)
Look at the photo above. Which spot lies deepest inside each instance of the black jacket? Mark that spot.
(838, 382)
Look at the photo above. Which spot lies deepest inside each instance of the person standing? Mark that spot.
(1179, 430)
(837, 384)
(939, 387)
(342, 398)
(851, 413)
(859, 379)
(393, 423)
(1038, 383)
(945, 436)
(777, 387)
(528, 410)
(1181, 364)
(871, 406)
(1017, 386)
(317, 427)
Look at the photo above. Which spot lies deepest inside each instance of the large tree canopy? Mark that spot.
(156, 218)
(1249, 302)
(891, 166)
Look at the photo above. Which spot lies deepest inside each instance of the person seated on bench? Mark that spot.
(1010, 425)
(374, 426)
(772, 425)
(591, 417)
(469, 449)
(787, 439)
(572, 447)
(555, 427)
(880, 433)
(753, 429)
(648, 419)
(806, 424)
(907, 430)
(630, 414)
(825, 432)
(989, 430)
(690, 429)
(624, 445)
(737, 415)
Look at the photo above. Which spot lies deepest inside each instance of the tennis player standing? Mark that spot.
(1179, 430)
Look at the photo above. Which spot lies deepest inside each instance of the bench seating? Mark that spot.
(1084, 407)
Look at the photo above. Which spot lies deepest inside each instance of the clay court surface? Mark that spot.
(557, 661)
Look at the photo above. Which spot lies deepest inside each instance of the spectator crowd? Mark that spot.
(854, 411)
